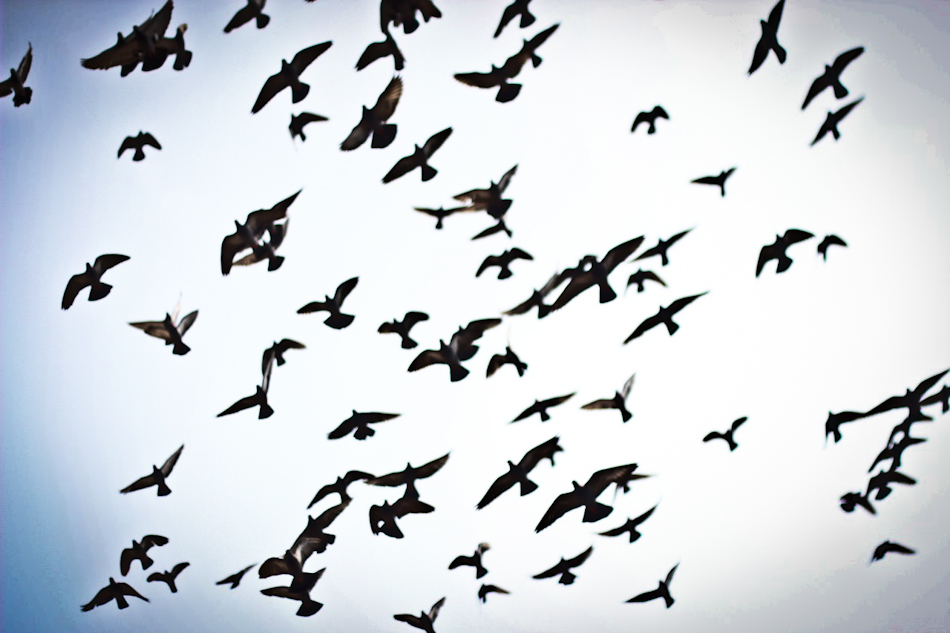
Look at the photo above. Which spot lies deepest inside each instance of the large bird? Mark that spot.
(513, 10)
(378, 50)
(475, 560)
(888, 547)
(235, 579)
(169, 577)
(776, 250)
(718, 181)
(564, 567)
(541, 408)
(337, 320)
(503, 262)
(662, 591)
(592, 272)
(587, 494)
(374, 121)
(662, 247)
(663, 316)
(158, 476)
(113, 591)
(139, 46)
(419, 158)
(91, 278)
(460, 348)
(403, 327)
(833, 119)
(358, 424)
(169, 330)
(618, 402)
(650, 119)
(630, 526)
(728, 435)
(489, 200)
(768, 41)
(339, 487)
(424, 621)
(249, 234)
(139, 552)
(15, 85)
(253, 10)
(289, 77)
(518, 474)
(831, 78)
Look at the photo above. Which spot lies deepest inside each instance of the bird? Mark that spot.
(312, 539)
(503, 262)
(727, 436)
(289, 77)
(378, 50)
(340, 486)
(259, 399)
(164, 47)
(564, 567)
(830, 240)
(440, 214)
(475, 560)
(942, 397)
(619, 401)
(835, 420)
(513, 10)
(170, 331)
(650, 118)
(157, 478)
(168, 577)
(591, 272)
(248, 235)
(911, 400)
(719, 181)
(424, 621)
(16, 84)
(541, 408)
(139, 552)
(137, 142)
(382, 519)
(299, 121)
(359, 422)
(642, 276)
(403, 12)
(403, 327)
(419, 158)
(499, 77)
(276, 353)
(92, 278)
(768, 41)
(138, 46)
(888, 547)
(630, 526)
(484, 590)
(408, 476)
(831, 78)
(299, 590)
(586, 496)
(498, 227)
(661, 248)
(374, 121)
(489, 200)
(537, 298)
(253, 10)
(881, 482)
(235, 579)
(776, 250)
(895, 450)
(833, 119)
(460, 348)
(518, 474)
(337, 320)
(508, 358)
(850, 500)
(662, 591)
(664, 316)
(267, 250)
(113, 591)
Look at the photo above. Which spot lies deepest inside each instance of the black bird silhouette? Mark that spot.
(340, 486)
(563, 568)
(259, 399)
(419, 158)
(235, 579)
(498, 227)
(508, 358)
(408, 476)
(312, 539)
(894, 451)
(440, 214)
(587, 494)
(475, 560)
(503, 262)
(537, 298)
(768, 41)
(618, 402)
(248, 235)
(662, 247)
(289, 77)
(253, 10)
(888, 547)
(460, 348)
(383, 518)
(276, 353)
(830, 240)
(113, 591)
(664, 316)
(267, 250)
(516, 8)
(137, 142)
(164, 47)
(403, 12)
(157, 478)
(359, 422)
(484, 590)
(835, 420)
(630, 526)
(169, 577)
(650, 119)
(299, 590)
(299, 121)
(716, 435)
(850, 500)
(911, 400)
(882, 481)
(15, 85)
(403, 327)
(719, 181)
(139, 46)
(424, 621)
(170, 331)
(591, 272)
(642, 276)
(91, 278)
(541, 407)
(831, 78)
(833, 119)
(518, 474)
(776, 250)
(374, 121)
(942, 397)
(337, 320)
(138, 552)
(489, 200)
(663, 590)
(378, 50)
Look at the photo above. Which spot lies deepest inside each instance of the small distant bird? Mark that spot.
(403, 327)
(776, 250)
(650, 119)
(663, 316)
(727, 436)
(768, 41)
(663, 590)
(592, 272)
(170, 331)
(888, 547)
(508, 358)
(503, 262)
(259, 399)
(403, 12)
(235, 579)
(830, 240)
(719, 181)
(16, 83)
(490, 200)
(382, 519)
(378, 50)
(276, 353)
(642, 276)
(253, 10)
(460, 348)
(138, 552)
(587, 494)
(91, 278)
(630, 526)
(833, 119)
(289, 77)
(113, 591)
(662, 247)
(374, 121)
(139, 46)
(248, 235)
(518, 474)
(516, 8)
(541, 408)
(831, 78)
(850, 500)
(424, 621)
(498, 227)
(440, 214)
(419, 158)
(299, 590)
(137, 142)
(475, 560)
(157, 478)
(563, 568)
(618, 402)
(484, 590)
(169, 577)
(537, 298)
(337, 320)
(340, 486)
(299, 121)
(359, 422)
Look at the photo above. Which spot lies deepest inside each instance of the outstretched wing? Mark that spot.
(679, 304)
(498, 488)
(580, 558)
(24, 68)
(402, 167)
(75, 285)
(793, 236)
(841, 62)
(306, 57)
(105, 262)
(775, 15)
(344, 289)
(541, 451)
(621, 252)
(171, 461)
(427, 470)
(739, 423)
(240, 405)
(480, 80)
(139, 484)
(386, 104)
(435, 141)
(506, 179)
(562, 505)
(274, 84)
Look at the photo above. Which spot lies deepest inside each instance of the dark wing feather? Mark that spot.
(841, 62)
(603, 478)
(427, 470)
(509, 14)
(738, 423)
(553, 402)
(171, 461)
(793, 236)
(344, 429)
(499, 487)
(139, 484)
(621, 252)
(775, 15)
(426, 358)
(240, 405)
(186, 322)
(306, 57)
(376, 50)
(563, 504)
(479, 80)
(105, 262)
(148, 139)
(344, 289)
(580, 558)
(23, 70)
(679, 304)
(401, 168)
(435, 141)
(386, 104)
(242, 17)
(73, 288)
(539, 452)
(647, 596)
(274, 84)
(648, 324)
(599, 404)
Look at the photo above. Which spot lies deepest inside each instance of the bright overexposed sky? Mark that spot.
(88, 404)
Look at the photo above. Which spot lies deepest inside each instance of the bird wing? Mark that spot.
(73, 288)
(557, 570)
(825, 128)
(186, 322)
(775, 15)
(153, 540)
(230, 247)
(139, 484)
(679, 304)
(658, 111)
(843, 112)
(158, 23)
(499, 487)
(897, 547)
(714, 435)
(386, 104)
(279, 592)
(427, 470)
(619, 253)
(426, 358)
(833, 239)
(527, 413)
(506, 179)
(707, 180)
(599, 404)
(313, 306)
(157, 576)
(105, 262)
(497, 361)
(306, 57)
(578, 284)
(816, 88)
(330, 515)
(125, 560)
(128, 51)
(344, 429)
(539, 452)
(580, 558)
(517, 253)
(669, 576)
(376, 50)
(24, 68)
(647, 596)
(648, 324)
(627, 386)
(103, 596)
(738, 423)
(235, 578)
(148, 139)
(274, 84)
(375, 417)
(643, 117)
(768, 253)
(553, 402)
(509, 14)
(171, 461)
(401, 168)
(240, 405)
(242, 17)
(434, 611)
(599, 481)
(480, 80)
(473, 331)
(435, 141)
(793, 236)
(344, 289)
(841, 62)
(491, 260)
(617, 531)
(153, 328)
(563, 504)
(413, 620)
(762, 49)
(412, 318)
(310, 117)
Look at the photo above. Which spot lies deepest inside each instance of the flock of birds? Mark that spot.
(148, 45)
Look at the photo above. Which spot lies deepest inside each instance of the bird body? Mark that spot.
(289, 77)
(830, 240)
(718, 181)
(833, 119)
(662, 591)
(299, 121)
(619, 401)
(337, 320)
(138, 142)
(253, 10)
(248, 235)
(403, 327)
(169, 331)
(831, 78)
(508, 358)
(424, 621)
(662, 247)
(235, 579)
(641, 277)
(419, 158)
(650, 119)
(630, 526)
(484, 590)
(16, 83)
(586, 496)
(374, 121)
(157, 478)
(503, 262)
(460, 348)
(358, 424)
(475, 560)
(139, 552)
(489, 200)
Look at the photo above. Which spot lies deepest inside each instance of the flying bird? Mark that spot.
(630, 526)
(419, 158)
(489, 200)
(403, 12)
(235, 579)
(374, 121)
(888, 547)
(642, 276)
(289, 77)
(768, 41)
(253, 10)
(508, 358)
(299, 590)
(537, 298)
(850, 500)
(663, 316)
(337, 320)
(831, 78)
(503, 262)
(719, 181)
(776, 250)
(541, 407)
(312, 539)
(170, 331)
(358, 424)
(518, 474)
(259, 399)
(497, 227)
(591, 272)
(249, 234)
(911, 400)
(15, 85)
(113, 591)
(137, 142)
(513, 10)
(618, 402)
(378, 50)
(663, 590)
(424, 621)
(563, 568)
(299, 121)
(662, 247)
(139, 46)
(882, 481)
(169, 577)
(408, 476)
(460, 348)
(894, 451)
(165, 47)
(139, 552)
(833, 119)
(727, 436)
(91, 278)
(484, 590)
(157, 478)
(650, 119)
(403, 327)
(440, 214)
(835, 420)
(382, 519)
(586, 496)
(276, 353)
(340, 486)
(830, 240)
(475, 560)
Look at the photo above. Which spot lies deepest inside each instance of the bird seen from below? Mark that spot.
(663, 316)
(235, 579)
(113, 591)
(424, 621)
(137, 143)
(586, 496)
(169, 577)
(592, 272)
(662, 591)
(253, 10)
(888, 547)
(503, 262)
(158, 477)
(170, 331)
(630, 526)
(16, 83)
(541, 408)
(358, 424)
(138, 46)
(299, 121)
(289, 77)
(299, 589)
(461, 348)
(641, 277)
(833, 119)
(508, 358)
(718, 181)
(564, 567)
(379, 50)
(403, 12)
(475, 560)
(419, 158)
(768, 41)
(248, 235)
(484, 590)
(728, 435)
(276, 353)
(618, 402)
(518, 474)
(259, 399)
(139, 552)
(489, 200)
(776, 250)
(91, 278)
(650, 119)
(831, 78)
(513, 10)
(661, 248)
(403, 327)
(829, 240)
(374, 121)
(339, 487)
(337, 320)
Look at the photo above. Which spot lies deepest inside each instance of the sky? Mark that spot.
(88, 404)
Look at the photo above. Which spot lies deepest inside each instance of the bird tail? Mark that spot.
(783, 263)
(309, 607)
(596, 512)
(521, 367)
(163, 491)
(408, 343)
(480, 570)
(23, 97)
(300, 91)
(457, 372)
(98, 291)
(607, 293)
(840, 91)
(527, 486)
(544, 310)
(182, 60)
(567, 578)
(527, 19)
(428, 172)
(835, 133)
(121, 601)
(504, 274)
(180, 349)
(339, 321)
(139, 154)
(362, 432)
(671, 327)
(626, 415)
(383, 136)
(171, 585)
(545, 416)
(535, 60)
(780, 53)
(275, 262)
(507, 92)
(265, 412)
(262, 20)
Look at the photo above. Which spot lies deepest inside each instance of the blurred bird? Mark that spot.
(253, 10)
(337, 320)
(776, 250)
(460, 348)
(630, 526)
(650, 119)
(157, 478)
(382, 519)
(835, 420)
(276, 353)
(165, 47)
(403, 12)
(942, 397)
(518, 474)
(378, 50)
(888, 547)
(169, 577)
(91, 278)
(489, 200)
(235, 579)
(719, 181)
(498, 227)
(138, 552)
(113, 591)
(440, 214)
(374, 121)
(340, 486)
(248, 235)
(419, 158)
(663, 590)
(15, 85)
(289, 77)
(312, 539)
(475, 560)
(833, 119)
(662, 247)
(563, 568)
(537, 298)
(882, 481)
(850, 500)
(894, 452)
(541, 407)
(259, 399)
(912, 400)
(831, 78)
(503, 262)
(170, 331)
(359, 422)
(591, 272)
(727, 436)
(830, 240)
(663, 316)
(408, 476)
(138, 142)
(403, 327)
(424, 621)
(586, 496)
(508, 358)
(642, 276)
(138, 46)
(299, 121)
(768, 41)
(618, 402)
(513, 10)
(499, 77)
(267, 250)
(484, 590)
(299, 590)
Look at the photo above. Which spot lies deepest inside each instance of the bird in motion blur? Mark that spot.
(460, 348)
(888, 547)
(248, 236)
(299, 121)
(831, 78)
(337, 320)
(275, 353)
(379, 50)
(662, 247)
(137, 143)
(235, 579)
(586, 496)
(728, 435)
(403, 13)
(484, 590)
(419, 158)
(424, 621)
(91, 278)
(113, 591)
(718, 181)
(340, 486)
(169, 577)
(403, 327)
(768, 41)
(618, 402)
(169, 330)
(630, 526)
(662, 591)
(508, 358)
(513, 10)
(158, 476)
(489, 200)
(253, 10)
(564, 567)
(664, 316)
(141, 45)
(475, 560)
(16, 84)
(830, 240)
(289, 77)
(374, 121)
(139, 552)
(358, 424)
(541, 408)
(833, 119)
(591, 272)
(503, 262)
(259, 399)
(776, 250)
(650, 119)
(641, 277)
